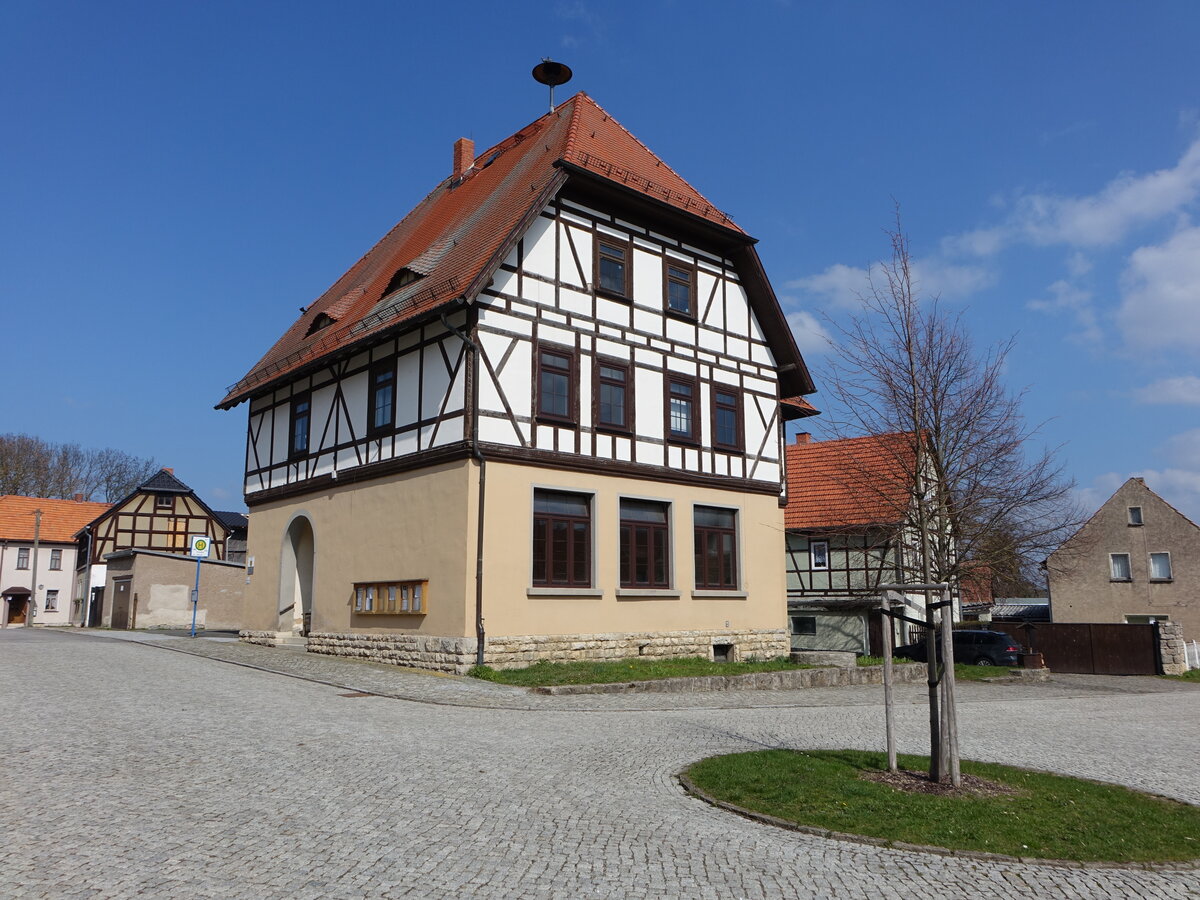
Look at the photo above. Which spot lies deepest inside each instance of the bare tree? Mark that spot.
(33, 467)
(981, 494)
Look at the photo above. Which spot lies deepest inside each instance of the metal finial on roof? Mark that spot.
(551, 73)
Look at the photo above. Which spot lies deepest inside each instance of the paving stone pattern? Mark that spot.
(130, 770)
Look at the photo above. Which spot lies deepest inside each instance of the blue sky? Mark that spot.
(179, 178)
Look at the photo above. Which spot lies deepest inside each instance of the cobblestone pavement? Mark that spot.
(133, 771)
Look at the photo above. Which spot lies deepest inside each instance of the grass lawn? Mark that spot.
(1189, 675)
(549, 673)
(1049, 816)
(962, 671)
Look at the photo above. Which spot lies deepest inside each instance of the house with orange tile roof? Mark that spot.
(45, 551)
(541, 418)
(849, 505)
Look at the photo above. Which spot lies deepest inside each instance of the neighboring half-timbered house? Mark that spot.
(541, 418)
(160, 515)
(848, 503)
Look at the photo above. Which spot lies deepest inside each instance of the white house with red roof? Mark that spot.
(541, 418)
(51, 599)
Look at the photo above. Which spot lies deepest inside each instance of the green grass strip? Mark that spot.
(545, 673)
(1052, 816)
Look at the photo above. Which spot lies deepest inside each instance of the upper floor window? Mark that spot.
(55, 559)
(681, 409)
(645, 544)
(562, 539)
(727, 418)
(612, 267)
(556, 384)
(298, 435)
(1160, 566)
(1135, 515)
(382, 398)
(716, 548)
(679, 286)
(1119, 567)
(163, 501)
(22, 557)
(819, 552)
(612, 395)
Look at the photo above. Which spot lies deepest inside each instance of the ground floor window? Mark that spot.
(716, 548)
(562, 539)
(804, 624)
(645, 545)
(51, 601)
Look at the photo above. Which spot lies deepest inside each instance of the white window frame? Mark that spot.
(51, 604)
(812, 555)
(1170, 576)
(1112, 567)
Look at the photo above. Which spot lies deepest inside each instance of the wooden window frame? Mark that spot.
(55, 560)
(812, 556)
(627, 543)
(597, 380)
(693, 437)
(626, 247)
(572, 372)
(163, 501)
(294, 452)
(543, 523)
(376, 371)
(701, 533)
(670, 262)
(409, 597)
(739, 443)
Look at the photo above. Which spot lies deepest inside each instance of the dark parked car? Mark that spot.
(983, 648)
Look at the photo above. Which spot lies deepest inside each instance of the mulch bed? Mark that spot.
(919, 783)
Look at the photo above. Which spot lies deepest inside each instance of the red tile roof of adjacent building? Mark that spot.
(61, 519)
(849, 482)
(460, 233)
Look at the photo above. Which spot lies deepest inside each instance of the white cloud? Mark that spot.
(1178, 483)
(1094, 220)
(811, 336)
(1068, 299)
(840, 285)
(1161, 294)
(1183, 390)
(1184, 449)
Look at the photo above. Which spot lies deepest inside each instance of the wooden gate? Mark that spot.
(1089, 649)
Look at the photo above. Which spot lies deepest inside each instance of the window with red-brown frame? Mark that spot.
(727, 418)
(645, 558)
(716, 548)
(557, 385)
(613, 383)
(614, 267)
(562, 539)
(683, 409)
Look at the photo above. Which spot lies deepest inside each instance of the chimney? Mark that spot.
(803, 437)
(79, 498)
(464, 156)
(168, 471)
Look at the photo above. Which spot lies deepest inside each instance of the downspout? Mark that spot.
(480, 633)
(85, 612)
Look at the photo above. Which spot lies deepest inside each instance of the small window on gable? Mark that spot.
(320, 320)
(1135, 515)
(679, 286)
(612, 267)
(163, 501)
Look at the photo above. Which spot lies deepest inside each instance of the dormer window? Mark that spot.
(320, 320)
(1135, 515)
(403, 278)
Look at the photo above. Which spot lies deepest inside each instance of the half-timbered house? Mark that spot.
(541, 418)
(848, 509)
(160, 515)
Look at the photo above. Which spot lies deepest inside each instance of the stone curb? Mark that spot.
(690, 787)
(791, 679)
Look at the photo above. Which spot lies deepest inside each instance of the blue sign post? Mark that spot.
(200, 549)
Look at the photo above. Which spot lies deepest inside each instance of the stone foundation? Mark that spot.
(1171, 649)
(457, 655)
(265, 638)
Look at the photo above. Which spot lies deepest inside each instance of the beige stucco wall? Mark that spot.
(161, 585)
(409, 526)
(510, 610)
(1081, 588)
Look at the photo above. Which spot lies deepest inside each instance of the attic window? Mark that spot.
(491, 159)
(321, 320)
(402, 278)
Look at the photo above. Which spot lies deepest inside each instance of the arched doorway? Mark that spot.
(15, 606)
(296, 577)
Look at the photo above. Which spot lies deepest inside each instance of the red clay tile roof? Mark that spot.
(797, 408)
(61, 519)
(459, 234)
(850, 482)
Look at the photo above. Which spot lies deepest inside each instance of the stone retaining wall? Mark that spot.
(457, 655)
(265, 638)
(790, 680)
(1171, 649)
